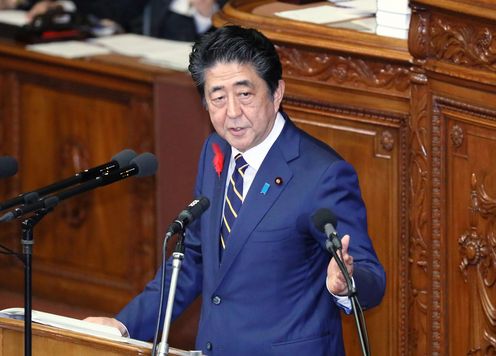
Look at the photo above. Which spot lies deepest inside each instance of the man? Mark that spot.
(180, 20)
(262, 276)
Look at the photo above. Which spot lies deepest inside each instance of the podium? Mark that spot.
(49, 341)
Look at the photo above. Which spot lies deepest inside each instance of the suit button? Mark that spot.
(216, 300)
(209, 346)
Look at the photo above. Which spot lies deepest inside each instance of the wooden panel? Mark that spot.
(49, 341)
(471, 202)
(373, 150)
(453, 139)
(64, 128)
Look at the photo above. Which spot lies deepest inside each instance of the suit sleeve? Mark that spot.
(339, 191)
(140, 315)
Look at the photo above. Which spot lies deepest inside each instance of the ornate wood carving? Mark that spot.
(463, 41)
(419, 216)
(418, 35)
(344, 71)
(387, 141)
(437, 306)
(478, 251)
(457, 135)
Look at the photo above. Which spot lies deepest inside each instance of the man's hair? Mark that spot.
(234, 44)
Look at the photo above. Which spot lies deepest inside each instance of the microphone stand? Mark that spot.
(177, 259)
(27, 242)
(333, 245)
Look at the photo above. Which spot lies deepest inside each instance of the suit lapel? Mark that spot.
(216, 206)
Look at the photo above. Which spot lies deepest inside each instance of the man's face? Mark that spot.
(241, 108)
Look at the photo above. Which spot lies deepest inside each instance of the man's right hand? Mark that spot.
(108, 322)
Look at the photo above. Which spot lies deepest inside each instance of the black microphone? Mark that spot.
(8, 166)
(120, 160)
(188, 215)
(326, 221)
(141, 166)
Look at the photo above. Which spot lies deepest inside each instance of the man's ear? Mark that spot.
(279, 94)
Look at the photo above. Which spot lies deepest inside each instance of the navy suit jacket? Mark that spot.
(268, 295)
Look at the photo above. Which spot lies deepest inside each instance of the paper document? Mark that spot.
(84, 327)
(14, 17)
(69, 49)
(166, 53)
(324, 14)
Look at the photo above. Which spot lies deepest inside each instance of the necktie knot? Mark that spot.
(241, 164)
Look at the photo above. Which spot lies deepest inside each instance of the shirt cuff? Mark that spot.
(342, 301)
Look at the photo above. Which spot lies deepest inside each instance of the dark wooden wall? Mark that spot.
(452, 300)
(58, 117)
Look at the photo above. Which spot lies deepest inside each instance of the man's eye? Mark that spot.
(245, 94)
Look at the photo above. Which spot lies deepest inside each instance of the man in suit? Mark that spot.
(180, 20)
(268, 285)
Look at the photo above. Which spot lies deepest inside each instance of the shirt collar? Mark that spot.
(255, 155)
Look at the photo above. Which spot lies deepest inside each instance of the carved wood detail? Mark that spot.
(418, 35)
(437, 306)
(419, 289)
(463, 42)
(456, 135)
(387, 141)
(382, 118)
(478, 250)
(346, 71)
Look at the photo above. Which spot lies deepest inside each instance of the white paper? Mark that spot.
(63, 322)
(166, 53)
(68, 49)
(324, 14)
(83, 327)
(391, 32)
(363, 5)
(390, 19)
(14, 17)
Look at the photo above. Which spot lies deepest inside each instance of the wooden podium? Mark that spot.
(49, 341)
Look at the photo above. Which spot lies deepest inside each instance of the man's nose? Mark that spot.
(233, 108)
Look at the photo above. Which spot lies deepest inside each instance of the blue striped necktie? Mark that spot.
(234, 199)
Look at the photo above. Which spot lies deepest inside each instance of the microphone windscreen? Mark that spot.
(124, 157)
(147, 164)
(322, 217)
(8, 166)
(200, 207)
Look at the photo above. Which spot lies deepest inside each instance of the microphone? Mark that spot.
(8, 166)
(121, 159)
(142, 165)
(188, 215)
(325, 221)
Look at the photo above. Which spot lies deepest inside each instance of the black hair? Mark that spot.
(235, 44)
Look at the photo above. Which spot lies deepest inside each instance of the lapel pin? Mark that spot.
(278, 180)
(265, 188)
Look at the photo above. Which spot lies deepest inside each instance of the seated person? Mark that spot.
(181, 20)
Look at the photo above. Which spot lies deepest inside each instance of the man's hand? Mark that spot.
(336, 284)
(41, 7)
(204, 7)
(108, 322)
